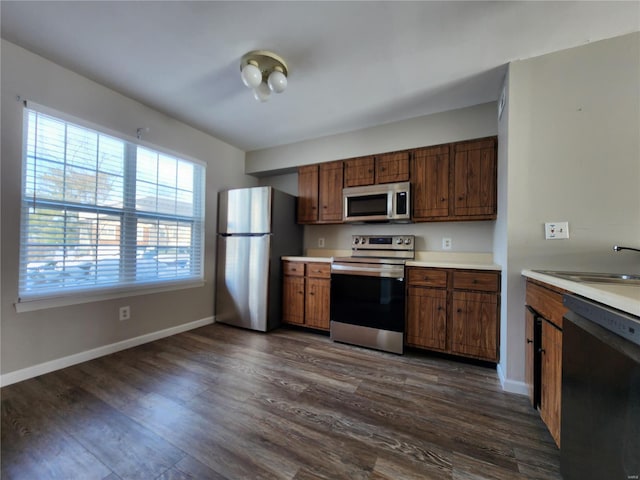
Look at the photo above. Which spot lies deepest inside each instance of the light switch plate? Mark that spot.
(556, 230)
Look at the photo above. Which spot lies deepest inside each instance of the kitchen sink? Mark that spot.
(595, 277)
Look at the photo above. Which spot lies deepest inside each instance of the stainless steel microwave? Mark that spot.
(388, 202)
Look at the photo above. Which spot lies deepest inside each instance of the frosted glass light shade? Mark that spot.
(262, 92)
(251, 76)
(277, 81)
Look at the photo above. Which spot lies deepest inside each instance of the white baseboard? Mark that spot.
(511, 386)
(64, 362)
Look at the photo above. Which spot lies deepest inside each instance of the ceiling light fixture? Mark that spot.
(264, 72)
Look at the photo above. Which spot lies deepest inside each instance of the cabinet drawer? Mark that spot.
(319, 270)
(546, 302)
(427, 277)
(482, 281)
(293, 268)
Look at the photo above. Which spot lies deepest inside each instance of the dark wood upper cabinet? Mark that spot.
(430, 183)
(308, 194)
(455, 182)
(452, 182)
(359, 172)
(330, 192)
(392, 167)
(475, 178)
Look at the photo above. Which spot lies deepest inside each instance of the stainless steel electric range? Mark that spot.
(368, 292)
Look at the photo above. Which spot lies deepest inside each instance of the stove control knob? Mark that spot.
(356, 240)
(399, 241)
(363, 240)
(407, 241)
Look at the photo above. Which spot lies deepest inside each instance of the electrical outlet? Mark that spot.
(556, 230)
(446, 243)
(321, 242)
(125, 313)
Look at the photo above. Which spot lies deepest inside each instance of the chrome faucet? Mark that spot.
(617, 248)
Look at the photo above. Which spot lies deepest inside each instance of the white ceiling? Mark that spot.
(352, 64)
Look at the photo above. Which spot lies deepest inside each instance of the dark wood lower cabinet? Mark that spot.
(427, 311)
(454, 311)
(306, 290)
(474, 325)
(316, 309)
(545, 302)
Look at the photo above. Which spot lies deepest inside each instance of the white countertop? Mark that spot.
(309, 259)
(453, 264)
(622, 297)
(466, 261)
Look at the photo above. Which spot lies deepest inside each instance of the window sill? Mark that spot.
(86, 297)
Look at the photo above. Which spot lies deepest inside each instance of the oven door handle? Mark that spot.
(359, 270)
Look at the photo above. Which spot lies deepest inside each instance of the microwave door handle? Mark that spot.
(391, 204)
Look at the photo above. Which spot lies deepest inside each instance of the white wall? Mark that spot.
(462, 124)
(573, 130)
(473, 122)
(32, 338)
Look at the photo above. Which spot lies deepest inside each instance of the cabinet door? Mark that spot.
(293, 299)
(331, 175)
(551, 374)
(358, 172)
(430, 183)
(427, 317)
(475, 178)
(392, 167)
(308, 194)
(474, 325)
(529, 355)
(317, 303)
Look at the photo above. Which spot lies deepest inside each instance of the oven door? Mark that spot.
(368, 301)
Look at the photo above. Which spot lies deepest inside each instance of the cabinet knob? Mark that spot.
(439, 309)
(541, 350)
(442, 199)
(301, 292)
(529, 340)
(460, 198)
(311, 293)
(324, 206)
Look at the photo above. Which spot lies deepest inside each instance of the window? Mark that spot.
(101, 214)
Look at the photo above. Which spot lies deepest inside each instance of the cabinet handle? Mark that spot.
(311, 293)
(474, 281)
(301, 293)
(324, 206)
(382, 169)
(439, 309)
(460, 198)
(529, 340)
(459, 310)
(541, 350)
(369, 171)
(442, 199)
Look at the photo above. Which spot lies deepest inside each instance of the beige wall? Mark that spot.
(29, 339)
(473, 122)
(573, 153)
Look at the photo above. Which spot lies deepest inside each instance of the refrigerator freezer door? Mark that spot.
(245, 211)
(242, 281)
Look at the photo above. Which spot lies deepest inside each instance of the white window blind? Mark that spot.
(102, 214)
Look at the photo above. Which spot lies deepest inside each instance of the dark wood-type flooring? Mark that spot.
(224, 403)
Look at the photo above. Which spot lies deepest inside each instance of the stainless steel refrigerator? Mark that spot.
(256, 226)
